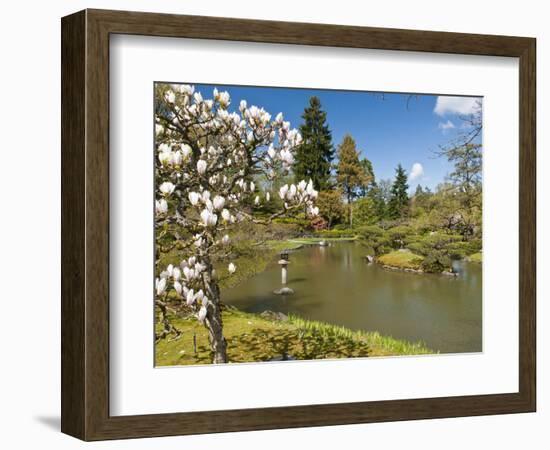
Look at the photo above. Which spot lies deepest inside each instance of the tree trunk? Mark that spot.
(213, 321)
(350, 211)
(214, 325)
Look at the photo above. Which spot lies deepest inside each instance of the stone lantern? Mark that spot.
(284, 262)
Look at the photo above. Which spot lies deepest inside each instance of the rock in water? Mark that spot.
(272, 315)
(283, 291)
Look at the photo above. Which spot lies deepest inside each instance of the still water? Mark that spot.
(334, 284)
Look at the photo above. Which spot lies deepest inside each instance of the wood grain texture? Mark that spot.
(73, 269)
(85, 224)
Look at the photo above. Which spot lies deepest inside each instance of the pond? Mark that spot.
(334, 284)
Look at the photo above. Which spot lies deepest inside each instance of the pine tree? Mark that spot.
(314, 156)
(399, 202)
(350, 174)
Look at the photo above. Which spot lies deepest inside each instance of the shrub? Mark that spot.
(341, 227)
(370, 231)
(436, 262)
(419, 248)
(398, 234)
(346, 233)
(318, 223)
(376, 238)
(331, 207)
(302, 223)
(457, 250)
(476, 257)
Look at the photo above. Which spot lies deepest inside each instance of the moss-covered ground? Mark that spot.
(401, 259)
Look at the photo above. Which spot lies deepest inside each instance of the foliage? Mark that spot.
(398, 235)
(364, 212)
(313, 157)
(376, 238)
(318, 223)
(336, 233)
(331, 207)
(301, 223)
(377, 196)
(436, 261)
(368, 170)
(476, 257)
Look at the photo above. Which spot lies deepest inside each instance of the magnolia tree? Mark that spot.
(209, 177)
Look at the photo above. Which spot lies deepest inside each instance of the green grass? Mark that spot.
(278, 246)
(252, 338)
(476, 257)
(378, 345)
(401, 260)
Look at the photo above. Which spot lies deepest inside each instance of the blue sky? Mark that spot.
(386, 131)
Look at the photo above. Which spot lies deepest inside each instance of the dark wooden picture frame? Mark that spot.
(85, 224)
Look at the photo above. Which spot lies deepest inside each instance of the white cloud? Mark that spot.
(416, 171)
(455, 105)
(444, 126)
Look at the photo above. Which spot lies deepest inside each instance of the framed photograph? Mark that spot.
(273, 225)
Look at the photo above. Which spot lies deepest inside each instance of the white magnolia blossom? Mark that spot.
(232, 268)
(202, 314)
(160, 285)
(194, 198)
(226, 215)
(225, 240)
(208, 218)
(190, 298)
(170, 97)
(282, 191)
(161, 206)
(201, 166)
(199, 295)
(167, 188)
(218, 202)
(186, 151)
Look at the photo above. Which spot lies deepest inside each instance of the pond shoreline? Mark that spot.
(416, 271)
(369, 296)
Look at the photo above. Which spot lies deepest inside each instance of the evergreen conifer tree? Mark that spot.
(313, 158)
(399, 202)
